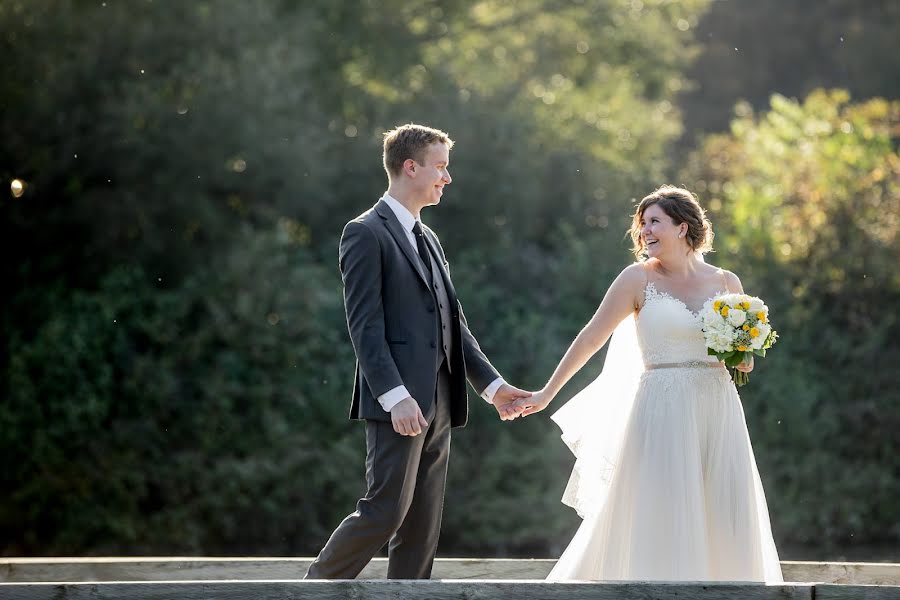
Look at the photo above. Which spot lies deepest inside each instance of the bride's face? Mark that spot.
(660, 234)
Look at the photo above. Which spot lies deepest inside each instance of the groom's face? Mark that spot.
(432, 174)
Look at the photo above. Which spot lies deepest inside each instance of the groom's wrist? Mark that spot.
(391, 398)
(491, 390)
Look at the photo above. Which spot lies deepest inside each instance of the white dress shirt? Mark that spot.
(392, 397)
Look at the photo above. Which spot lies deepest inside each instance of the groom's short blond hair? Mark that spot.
(410, 141)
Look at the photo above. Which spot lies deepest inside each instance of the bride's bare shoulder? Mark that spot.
(635, 274)
(631, 282)
(731, 280)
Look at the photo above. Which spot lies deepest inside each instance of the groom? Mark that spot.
(414, 353)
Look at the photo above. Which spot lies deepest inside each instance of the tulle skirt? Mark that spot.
(680, 498)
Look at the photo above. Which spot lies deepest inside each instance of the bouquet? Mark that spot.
(736, 327)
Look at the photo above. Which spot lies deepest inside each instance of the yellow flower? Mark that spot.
(754, 332)
(745, 305)
(717, 305)
(724, 311)
(761, 315)
(742, 348)
(745, 327)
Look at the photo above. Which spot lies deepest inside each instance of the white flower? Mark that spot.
(757, 305)
(737, 317)
(738, 298)
(719, 334)
(720, 343)
(710, 317)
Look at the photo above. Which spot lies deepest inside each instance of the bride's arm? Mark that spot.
(734, 286)
(621, 300)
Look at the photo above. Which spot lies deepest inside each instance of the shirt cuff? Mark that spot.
(391, 398)
(490, 390)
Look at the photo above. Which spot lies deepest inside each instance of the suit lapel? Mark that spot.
(393, 226)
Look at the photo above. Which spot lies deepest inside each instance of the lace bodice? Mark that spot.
(668, 331)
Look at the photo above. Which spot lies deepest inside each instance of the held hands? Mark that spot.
(746, 365)
(506, 401)
(536, 403)
(407, 417)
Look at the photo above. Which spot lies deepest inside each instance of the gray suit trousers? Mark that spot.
(404, 500)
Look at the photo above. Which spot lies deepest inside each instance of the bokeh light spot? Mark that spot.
(17, 187)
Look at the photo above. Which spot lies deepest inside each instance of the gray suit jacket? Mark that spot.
(393, 321)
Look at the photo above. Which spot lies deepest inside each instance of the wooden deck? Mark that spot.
(464, 579)
(262, 569)
(403, 590)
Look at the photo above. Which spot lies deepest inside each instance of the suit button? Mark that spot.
(433, 345)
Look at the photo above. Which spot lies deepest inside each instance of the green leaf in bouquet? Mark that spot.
(711, 352)
(736, 358)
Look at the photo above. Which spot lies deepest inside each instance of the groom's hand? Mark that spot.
(505, 401)
(407, 418)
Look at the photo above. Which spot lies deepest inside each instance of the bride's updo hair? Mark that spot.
(682, 207)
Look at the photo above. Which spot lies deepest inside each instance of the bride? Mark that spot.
(665, 479)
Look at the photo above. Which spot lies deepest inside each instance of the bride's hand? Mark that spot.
(745, 366)
(536, 403)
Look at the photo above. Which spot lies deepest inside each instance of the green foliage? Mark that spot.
(525, 305)
(208, 416)
(805, 198)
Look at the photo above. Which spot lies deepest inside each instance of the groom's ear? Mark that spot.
(409, 167)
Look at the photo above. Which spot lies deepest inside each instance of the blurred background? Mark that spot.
(176, 371)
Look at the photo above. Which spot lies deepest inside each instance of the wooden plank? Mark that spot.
(182, 569)
(162, 569)
(400, 590)
(256, 568)
(492, 568)
(827, 591)
(838, 572)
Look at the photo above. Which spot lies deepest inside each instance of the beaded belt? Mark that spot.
(682, 365)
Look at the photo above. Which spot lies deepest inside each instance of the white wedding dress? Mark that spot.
(665, 477)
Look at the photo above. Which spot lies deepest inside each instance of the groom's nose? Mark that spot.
(447, 177)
